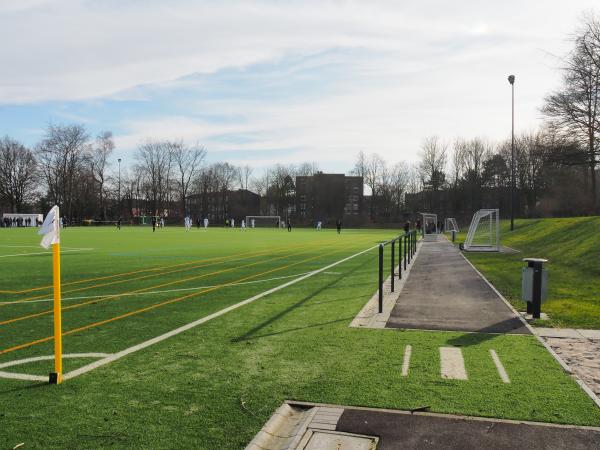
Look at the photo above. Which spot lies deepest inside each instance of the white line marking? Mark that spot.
(28, 377)
(500, 367)
(452, 363)
(332, 273)
(46, 253)
(205, 319)
(406, 360)
(166, 291)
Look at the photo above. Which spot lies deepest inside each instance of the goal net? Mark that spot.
(429, 227)
(484, 232)
(263, 221)
(451, 225)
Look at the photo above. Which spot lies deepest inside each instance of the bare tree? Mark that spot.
(18, 173)
(575, 109)
(432, 167)
(188, 160)
(154, 160)
(99, 157)
(245, 172)
(61, 154)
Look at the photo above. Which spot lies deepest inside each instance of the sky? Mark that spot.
(266, 82)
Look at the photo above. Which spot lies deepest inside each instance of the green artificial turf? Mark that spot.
(214, 386)
(572, 247)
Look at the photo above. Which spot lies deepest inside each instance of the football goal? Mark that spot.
(484, 232)
(429, 227)
(263, 221)
(450, 225)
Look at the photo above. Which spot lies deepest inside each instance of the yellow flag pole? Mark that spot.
(56, 376)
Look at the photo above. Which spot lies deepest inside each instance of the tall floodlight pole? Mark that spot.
(119, 200)
(511, 80)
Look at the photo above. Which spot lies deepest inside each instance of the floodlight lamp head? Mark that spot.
(511, 79)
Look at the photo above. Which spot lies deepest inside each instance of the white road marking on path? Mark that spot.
(176, 331)
(452, 364)
(406, 360)
(500, 367)
(166, 291)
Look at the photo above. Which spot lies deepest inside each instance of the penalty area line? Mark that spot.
(189, 326)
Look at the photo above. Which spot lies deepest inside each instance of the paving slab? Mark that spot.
(402, 430)
(444, 292)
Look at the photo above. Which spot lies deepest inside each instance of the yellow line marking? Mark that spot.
(158, 305)
(126, 280)
(150, 269)
(115, 297)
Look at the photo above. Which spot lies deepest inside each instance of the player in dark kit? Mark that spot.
(339, 226)
(289, 225)
(153, 224)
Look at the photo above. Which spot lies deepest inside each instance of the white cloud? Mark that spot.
(414, 68)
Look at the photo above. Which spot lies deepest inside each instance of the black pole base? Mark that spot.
(53, 378)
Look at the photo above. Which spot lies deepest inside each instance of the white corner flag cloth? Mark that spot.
(50, 228)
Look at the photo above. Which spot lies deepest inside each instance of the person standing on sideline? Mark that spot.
(232, 222)
(339, 226)
(406, 227)
(205, 223)
(289, 225)
(153, 224)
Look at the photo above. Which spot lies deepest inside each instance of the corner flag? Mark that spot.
(51, 231)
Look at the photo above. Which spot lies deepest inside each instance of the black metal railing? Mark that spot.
(407, 247)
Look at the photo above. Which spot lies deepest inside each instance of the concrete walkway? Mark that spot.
(444, 292)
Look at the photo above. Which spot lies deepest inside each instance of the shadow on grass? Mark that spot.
(25, 387)
(291, 330)
(253, 331)
(487, 333)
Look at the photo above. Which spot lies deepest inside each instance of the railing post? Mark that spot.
(405, 250)
(399, 257)
(393, 256)
(380, 278)
(409, 247)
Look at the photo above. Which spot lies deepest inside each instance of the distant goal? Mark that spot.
(450, 225)
(484, 232)
(429, 227)
(263, 221)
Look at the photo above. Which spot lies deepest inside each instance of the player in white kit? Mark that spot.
(205, 223)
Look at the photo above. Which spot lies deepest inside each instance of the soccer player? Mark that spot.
(243, 225)
(339, 226)
(119, 224)
(153, 224)
(289, 225)
(232, 222)
(319, 224)
(252, 223)
(205, 223)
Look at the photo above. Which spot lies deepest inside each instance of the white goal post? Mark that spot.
(484, 232)
(429, 227)
(263, 221)
(451, 225)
